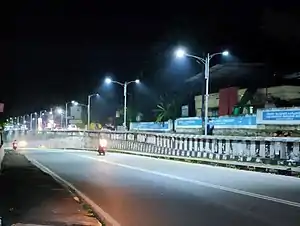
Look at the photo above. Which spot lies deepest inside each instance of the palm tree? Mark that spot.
(167, 108)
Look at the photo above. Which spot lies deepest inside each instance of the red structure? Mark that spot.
(228, 98)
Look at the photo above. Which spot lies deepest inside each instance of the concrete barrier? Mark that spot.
(268, 150)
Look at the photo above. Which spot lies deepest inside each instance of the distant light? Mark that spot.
(50, 113)
(75, 103)
(225, 53)
(43, 113)
(59, 111)
(108, 80)
(97, 94)
(180, 53)
(137, 81)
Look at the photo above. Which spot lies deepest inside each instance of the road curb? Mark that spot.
(103, 218)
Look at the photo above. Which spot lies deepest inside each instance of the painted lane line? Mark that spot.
(204, 184)
(108, 218)
(148, 157)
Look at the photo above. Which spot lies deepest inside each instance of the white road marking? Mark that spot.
(282, 177)
(204, 184)
(94, 206)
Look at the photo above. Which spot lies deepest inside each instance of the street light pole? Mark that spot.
(206, 92)
(89, 109)
(89, 112)
(205, 61)
(125, 85)
(125, 106)
(66, 116)
(30, 121)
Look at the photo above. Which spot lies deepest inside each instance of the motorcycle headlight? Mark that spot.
(22, 143)
(103, 142)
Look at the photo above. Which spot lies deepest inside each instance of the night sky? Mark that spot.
(59, 52)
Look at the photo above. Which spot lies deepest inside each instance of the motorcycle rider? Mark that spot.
(102, 145)
(15, 144)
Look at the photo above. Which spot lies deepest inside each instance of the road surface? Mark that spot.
(140, 191)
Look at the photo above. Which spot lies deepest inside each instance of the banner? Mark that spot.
(225, 122)
(152, 126)
(279, 116)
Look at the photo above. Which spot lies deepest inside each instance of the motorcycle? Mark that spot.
(102, 146)
(15, 146)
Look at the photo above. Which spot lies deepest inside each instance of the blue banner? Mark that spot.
(248, 121)
(151, 126)
(279, 116)
(290, 115)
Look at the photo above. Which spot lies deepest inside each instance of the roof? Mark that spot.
(232, 70)
(293, 76)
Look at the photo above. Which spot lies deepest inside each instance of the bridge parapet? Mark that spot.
(253, 149)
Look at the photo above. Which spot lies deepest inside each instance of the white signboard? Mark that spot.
(185, 111)
(76, 112)
(75, 121)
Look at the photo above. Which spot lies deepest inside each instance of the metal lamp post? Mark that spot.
(125, 84)
(89, 109)
(66, 110)
(31, 120)
(60, 112)
(205, 61)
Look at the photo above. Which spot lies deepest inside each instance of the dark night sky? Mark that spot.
(53, 53)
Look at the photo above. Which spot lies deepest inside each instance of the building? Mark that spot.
(236, 101)
(241, 88)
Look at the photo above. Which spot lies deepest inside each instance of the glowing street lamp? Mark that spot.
(59, 111)
(125, 84)
(180, 53)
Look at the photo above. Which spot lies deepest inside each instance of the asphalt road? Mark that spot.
(140, 191)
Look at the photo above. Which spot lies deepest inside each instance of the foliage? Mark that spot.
(168, 107)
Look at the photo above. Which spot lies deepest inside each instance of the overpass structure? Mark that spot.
(278, 151)
(133, 190)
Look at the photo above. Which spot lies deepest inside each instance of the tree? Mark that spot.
(167, 108)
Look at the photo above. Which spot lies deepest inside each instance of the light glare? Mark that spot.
(59, 111)
(108, 80)
(225, 53)
(180, 53)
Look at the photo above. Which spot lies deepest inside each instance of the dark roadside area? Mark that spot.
(30, 196)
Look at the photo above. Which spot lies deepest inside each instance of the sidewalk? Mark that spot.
(29, 196)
